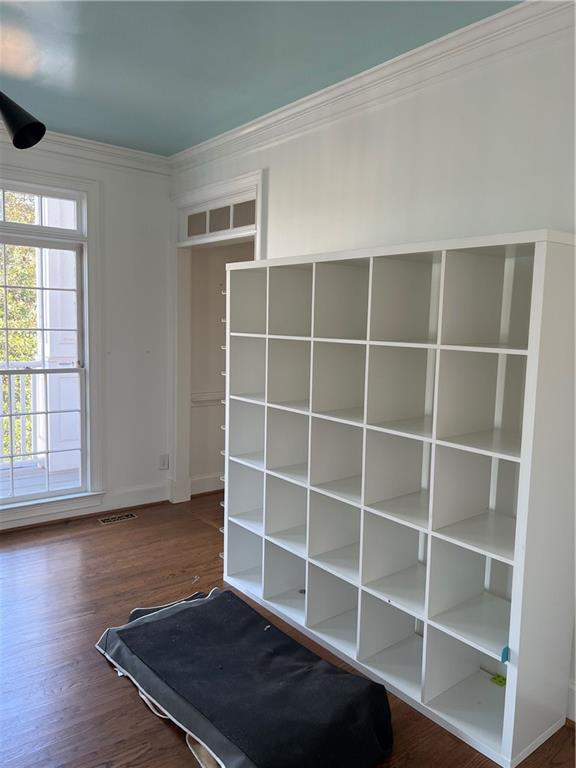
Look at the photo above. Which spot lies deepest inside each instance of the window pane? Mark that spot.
(25, 347)
(6, 445)
(5, 478)
(3, 349)
(59, 268)
(5, 401)
(64, 470)
(60, 310)
(30, 475)
(21, 207)
(61, 349)
(59, 212)
(63, 431)
(2, 308)
(197, 223)
(64, 391)
(26, 431)
(28, 393)
(23, 308)
(219, 219)
(245, 213)
(22, 266)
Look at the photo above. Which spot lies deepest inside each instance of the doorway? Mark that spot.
(208, 359)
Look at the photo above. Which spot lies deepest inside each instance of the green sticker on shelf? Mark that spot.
(498, 680)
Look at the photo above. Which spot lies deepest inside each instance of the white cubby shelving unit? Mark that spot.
(399, 454)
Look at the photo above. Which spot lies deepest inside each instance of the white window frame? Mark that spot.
(85, 241)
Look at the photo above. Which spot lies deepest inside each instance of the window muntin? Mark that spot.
(42, 414)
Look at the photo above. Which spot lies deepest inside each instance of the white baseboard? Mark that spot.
(571, 711)
(204, 483)
(53, 510)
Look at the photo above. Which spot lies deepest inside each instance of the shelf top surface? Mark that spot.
(513, 238)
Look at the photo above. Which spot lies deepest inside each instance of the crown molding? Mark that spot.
(496, 35)
(61, 145)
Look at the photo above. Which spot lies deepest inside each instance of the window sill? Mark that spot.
(44, 510)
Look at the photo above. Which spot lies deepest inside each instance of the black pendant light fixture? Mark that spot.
(24, 129)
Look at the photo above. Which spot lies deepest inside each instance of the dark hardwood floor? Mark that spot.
(62, 705)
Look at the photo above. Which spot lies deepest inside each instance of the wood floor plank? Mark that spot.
(62, 705)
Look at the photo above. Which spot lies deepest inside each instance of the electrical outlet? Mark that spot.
(164, 461)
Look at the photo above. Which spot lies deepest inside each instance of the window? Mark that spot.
(42, 371)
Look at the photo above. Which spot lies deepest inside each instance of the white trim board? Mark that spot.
(496, 35)
(61, 145)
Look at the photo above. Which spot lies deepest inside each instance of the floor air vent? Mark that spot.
(117, 518)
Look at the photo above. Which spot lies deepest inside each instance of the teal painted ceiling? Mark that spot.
(163, 76)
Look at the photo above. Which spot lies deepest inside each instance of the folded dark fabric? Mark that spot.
(254, 697)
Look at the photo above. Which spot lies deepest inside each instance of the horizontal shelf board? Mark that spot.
(400, 665)
(411, 509)
(256, 397)
(483, 622)
(298, 473)
(249, 580)
(347, 489)
(288, 337)
(347, 415)
(492, 442)
(476, 707)
(292, 603)
(292, 539)
(339, 340)
(340, 631)
(491, 533)
(252, 520)
(417, 427)
(299, 406)
(255, 459)
(490, 348)
(261, 335)
(405, 589)
(422, 344)
(343, 562)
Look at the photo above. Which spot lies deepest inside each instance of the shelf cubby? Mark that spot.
(341, 299)
(289, 373)
(481, 401)
(475, 499)
(458, 685)
(332, 609)
(287, 445)
(397, 477)
(405, 292)
(470, 596)
(245, 491)
(246, 433)
(394, 563)
(248, 367)
(334, 536)
(248, 301)
(338, 381)
(286, 514)
(285, 581)
(401, 389)
(244, 558)
(487, 294)
(290, 289)
(390, 644)
(336, 460)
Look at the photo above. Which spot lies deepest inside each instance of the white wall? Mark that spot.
(487, 148)
(132, 254)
